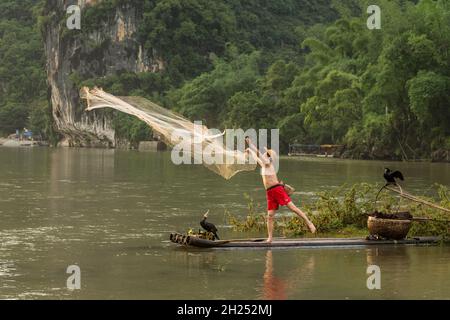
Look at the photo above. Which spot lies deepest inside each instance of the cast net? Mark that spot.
(191, 142)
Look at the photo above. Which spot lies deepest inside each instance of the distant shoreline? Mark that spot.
(11, 143)
(361, 159)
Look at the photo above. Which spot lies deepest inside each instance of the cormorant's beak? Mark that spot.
(206, 214)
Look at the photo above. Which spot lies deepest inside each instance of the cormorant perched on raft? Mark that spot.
(208, 226)
(391, 176)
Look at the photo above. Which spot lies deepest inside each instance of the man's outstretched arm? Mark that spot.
(262, 161)
(252, 146)
(255, 156)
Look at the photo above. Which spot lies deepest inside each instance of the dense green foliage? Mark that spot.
(311, 68)
(23, 91)
(186, 33)
(383, 93)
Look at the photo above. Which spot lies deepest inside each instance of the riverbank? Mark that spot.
(12, 143)
(440, 156)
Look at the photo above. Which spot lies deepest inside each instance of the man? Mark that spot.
(276, 195)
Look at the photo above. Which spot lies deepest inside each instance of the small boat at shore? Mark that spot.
(195, 241)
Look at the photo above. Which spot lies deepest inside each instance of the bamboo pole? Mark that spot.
(247, 240)
(416, 199)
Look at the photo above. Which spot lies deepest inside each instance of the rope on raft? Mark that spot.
(416, 199)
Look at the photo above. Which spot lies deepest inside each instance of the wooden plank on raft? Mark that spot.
(305, 242)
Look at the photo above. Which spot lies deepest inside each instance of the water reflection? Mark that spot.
(195, 262)
(274, 287)
(396, 257)
(281, 288)
(392, 261)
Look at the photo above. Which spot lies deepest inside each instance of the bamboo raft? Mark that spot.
(193, 241)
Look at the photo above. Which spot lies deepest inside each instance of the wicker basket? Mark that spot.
(389, 228)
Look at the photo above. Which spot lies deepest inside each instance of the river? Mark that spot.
(110, 212)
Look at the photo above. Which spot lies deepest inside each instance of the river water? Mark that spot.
(110, 212)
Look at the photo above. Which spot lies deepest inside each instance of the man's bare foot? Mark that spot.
(269, 240)
(312, 228)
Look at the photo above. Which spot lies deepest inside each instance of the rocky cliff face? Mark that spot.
(90, 54)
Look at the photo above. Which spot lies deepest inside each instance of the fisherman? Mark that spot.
(275, 190)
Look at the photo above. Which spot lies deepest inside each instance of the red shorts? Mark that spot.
(277, 197)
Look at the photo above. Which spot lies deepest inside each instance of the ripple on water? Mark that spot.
(7, 269)
(6, 184)
(27, 238)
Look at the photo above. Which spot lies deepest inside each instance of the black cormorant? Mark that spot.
(390, 176)
(208, 226)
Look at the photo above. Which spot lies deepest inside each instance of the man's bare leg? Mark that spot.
(302, 215)
(270, 219)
